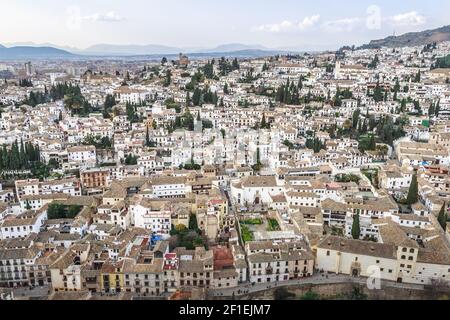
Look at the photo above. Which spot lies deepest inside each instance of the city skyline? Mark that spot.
(200, 24)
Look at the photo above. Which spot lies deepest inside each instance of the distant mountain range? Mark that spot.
(412, 39)
(30, 50)
(23, 52)
(110, 50)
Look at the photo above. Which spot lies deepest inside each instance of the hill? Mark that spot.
(233, 47)
(411, 39)
(24, 52)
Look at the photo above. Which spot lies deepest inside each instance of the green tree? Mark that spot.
(225, 88)
(196, 97)
(131, 160)
(208, 70)
(188, 99)
(168, 79)
(193, 225)
(443, 217)
(310, 295)
(378, 93)
(110, 102)
(356, 228)
(315, 144)
(374, 63)
(337, 101)
(258, 165)
(372, 143)
(357, 294)
(417, 77)
(431, 110)
(235, 65)
(61, 211)
(403, 105)
(132, 116)
(437, 108)
(413, 191)
(288, 144)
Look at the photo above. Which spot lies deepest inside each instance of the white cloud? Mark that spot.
(341, 25)
(408, 19)
(278, 27)
(289, 26)
(75, 19)
(108, 17)
(308, 22)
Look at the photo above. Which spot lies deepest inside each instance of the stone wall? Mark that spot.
(340, 291)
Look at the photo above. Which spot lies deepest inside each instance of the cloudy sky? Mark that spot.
(206, 23)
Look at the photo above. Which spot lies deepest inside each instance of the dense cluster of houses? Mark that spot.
(258, 174)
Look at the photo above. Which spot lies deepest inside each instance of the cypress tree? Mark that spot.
(188, 99)
(196, 97)
(235, 64)
(372, 143)
(437, 109)
(147, 139)
(356, 228)
(413, 191)
(258, 165)
(5, 157)
(443, 217)
(263, 122)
